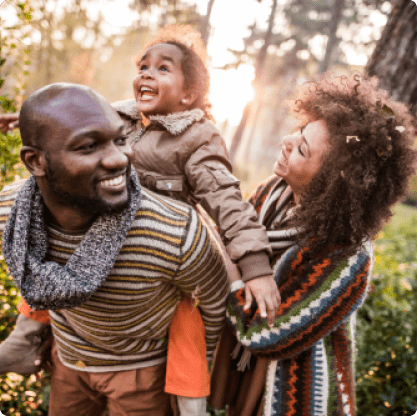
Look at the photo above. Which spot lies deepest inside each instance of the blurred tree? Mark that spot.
(205, 23)
(307, 37)
(73, 42)
(394, 59)
(259, 72)
(166, 11)
(66, 39)
(14, 62)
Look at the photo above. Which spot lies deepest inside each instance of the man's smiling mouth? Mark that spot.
(117, 181)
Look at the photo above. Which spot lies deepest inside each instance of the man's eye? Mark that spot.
(87, 146)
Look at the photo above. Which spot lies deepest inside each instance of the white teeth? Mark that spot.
(113, 182)
(146, 89)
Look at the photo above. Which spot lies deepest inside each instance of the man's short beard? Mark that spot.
(87, 204)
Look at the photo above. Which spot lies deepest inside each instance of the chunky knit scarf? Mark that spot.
(273, 202)
(46, 284)
(274, 212)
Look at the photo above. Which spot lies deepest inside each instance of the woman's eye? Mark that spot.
(121, 141)
(301, 152)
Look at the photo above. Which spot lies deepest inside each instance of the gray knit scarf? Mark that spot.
(46, 284)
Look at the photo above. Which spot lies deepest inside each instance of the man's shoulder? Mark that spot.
(8, 195)
(164, 212)
(170, 223)
(10, 191)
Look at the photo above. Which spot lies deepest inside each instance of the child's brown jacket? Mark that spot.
(182, 155)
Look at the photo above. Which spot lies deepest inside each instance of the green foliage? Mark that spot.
(19, 395)
(386, 366)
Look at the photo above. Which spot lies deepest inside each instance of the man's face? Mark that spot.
(88, 159)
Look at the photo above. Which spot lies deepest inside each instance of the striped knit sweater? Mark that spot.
(124, 325)
(311, 344)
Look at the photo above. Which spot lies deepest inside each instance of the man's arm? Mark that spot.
(202, 276)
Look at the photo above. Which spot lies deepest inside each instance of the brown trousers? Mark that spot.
(124, 393)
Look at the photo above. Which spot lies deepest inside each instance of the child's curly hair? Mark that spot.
(194, 60)
(367, 167)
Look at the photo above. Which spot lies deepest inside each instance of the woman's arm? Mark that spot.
(9, 121)
(317, 296)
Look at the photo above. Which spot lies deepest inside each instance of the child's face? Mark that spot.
(159, 86)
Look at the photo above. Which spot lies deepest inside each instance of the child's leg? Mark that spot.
(19, 351)
(192, 406)
(187, 368)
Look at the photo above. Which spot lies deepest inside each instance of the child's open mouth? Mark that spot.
(147, 93)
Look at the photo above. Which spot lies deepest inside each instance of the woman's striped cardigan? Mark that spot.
(311, 344)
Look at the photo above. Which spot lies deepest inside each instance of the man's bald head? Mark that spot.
(46, 109)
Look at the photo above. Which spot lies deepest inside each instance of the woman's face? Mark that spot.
(301, 156)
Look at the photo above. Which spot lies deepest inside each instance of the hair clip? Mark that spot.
(401, 129)
(349, 138)
(388, 110)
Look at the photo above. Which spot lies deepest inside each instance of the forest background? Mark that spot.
(260, 50)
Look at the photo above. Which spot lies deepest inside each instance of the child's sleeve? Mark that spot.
(187, 369)
(40, 316)
(208, 172)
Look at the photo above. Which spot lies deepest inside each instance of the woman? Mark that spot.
(335, 182)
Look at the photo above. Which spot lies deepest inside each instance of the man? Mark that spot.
(107, 258)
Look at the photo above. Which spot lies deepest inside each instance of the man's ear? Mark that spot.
(189, 98)
(34, 160)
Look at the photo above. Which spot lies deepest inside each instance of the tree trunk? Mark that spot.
(205, 26)
(260, 62)
(337, 12)
(267, 40)
(394, 59)
(237, 137)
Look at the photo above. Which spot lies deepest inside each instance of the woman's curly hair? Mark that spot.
(367, 167)
(194, 60)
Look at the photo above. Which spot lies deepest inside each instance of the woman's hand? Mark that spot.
(265, 291)
(8, 122)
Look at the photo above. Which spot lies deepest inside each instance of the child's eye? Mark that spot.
(143, 67)
(164, 68)
(301, 152)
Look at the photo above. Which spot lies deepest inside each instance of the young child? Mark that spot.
(178, 152)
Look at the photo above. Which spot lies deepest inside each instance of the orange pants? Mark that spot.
(187, 369)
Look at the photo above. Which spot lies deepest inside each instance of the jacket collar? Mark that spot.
(127, 108)
(175, 123)
(178, 123)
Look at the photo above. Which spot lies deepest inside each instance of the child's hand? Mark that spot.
(266, 294)
(8, 122)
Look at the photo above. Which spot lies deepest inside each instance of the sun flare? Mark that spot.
(230, 91)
